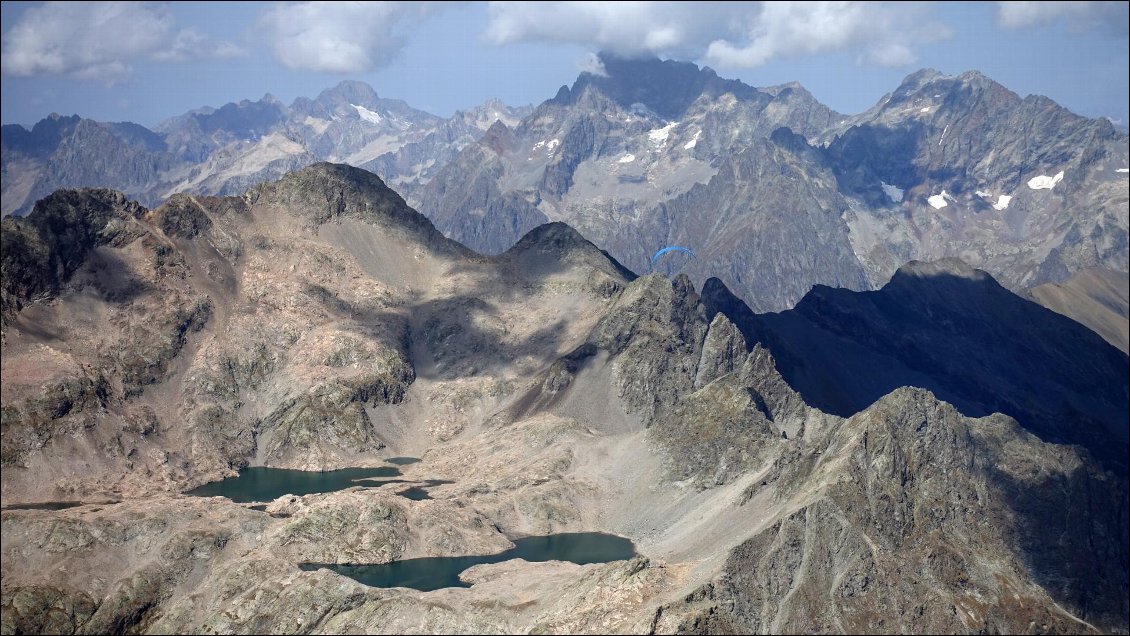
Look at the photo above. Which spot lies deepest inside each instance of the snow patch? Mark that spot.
(370, 116)
(894, 192)
(1122, 170)
(944, 131)
(983, 194)
(629, 158)
(1044, 182)
(925, 109)
(658, 136)
(692, 143)
(938, 201)
(319, 125)
(548, 145)
(1002, 202)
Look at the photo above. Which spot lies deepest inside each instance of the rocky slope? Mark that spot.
(1022, 187)
(319, 322)
(769, 181)
(954, 330)
(232, 148)
(1096, 298)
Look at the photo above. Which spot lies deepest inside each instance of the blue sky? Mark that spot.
(144, 62)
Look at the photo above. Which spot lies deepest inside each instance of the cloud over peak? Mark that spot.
(728, 34)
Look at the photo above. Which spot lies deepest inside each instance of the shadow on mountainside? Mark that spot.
(491, 313)
(955, 331)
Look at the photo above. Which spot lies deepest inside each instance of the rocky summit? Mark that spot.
(937, 455)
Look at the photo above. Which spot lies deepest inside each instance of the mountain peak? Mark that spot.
(323, 192)
(351, 92)
(918, 81)
(954, 267)
(560, 239)
(666, 87)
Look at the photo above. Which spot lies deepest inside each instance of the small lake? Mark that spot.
(267, 484)
(415, 493)
(46, 505)
(433, 573)
(403, 461)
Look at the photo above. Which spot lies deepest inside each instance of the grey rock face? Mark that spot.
(902, 527)
(975, 140)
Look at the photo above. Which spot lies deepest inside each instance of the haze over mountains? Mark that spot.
(318, 322)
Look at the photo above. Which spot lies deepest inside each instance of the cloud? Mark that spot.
(99, 40)
(591, 63)
(727, 34)
(188, 44)
(879, 33)
(626, 28)
(339, 37)
(1110, 16)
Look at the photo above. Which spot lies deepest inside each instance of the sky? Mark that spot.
(148, 61)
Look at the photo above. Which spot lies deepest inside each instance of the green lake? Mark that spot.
(267, 484)
(433, 573)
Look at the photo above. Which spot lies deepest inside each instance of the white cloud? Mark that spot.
(339, 37)
(879, 33)
(626, 28)
(1077, 15)
(591, 63)
(189, 44)
(727, 34)
(99, 40)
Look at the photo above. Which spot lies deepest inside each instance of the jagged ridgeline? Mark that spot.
(936, 456)
(774, 191)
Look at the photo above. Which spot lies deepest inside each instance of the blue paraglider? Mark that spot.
(670, 248)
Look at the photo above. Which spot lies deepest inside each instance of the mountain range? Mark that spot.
(883, 388)
(939, 455)
(776, 193)
(773, 191)
(226, 150)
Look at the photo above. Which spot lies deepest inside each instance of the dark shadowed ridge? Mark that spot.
(40, 252)
(954, 330)
(559, 240)
(666, 87)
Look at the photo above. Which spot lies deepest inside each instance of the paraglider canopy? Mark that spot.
(670, 248)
